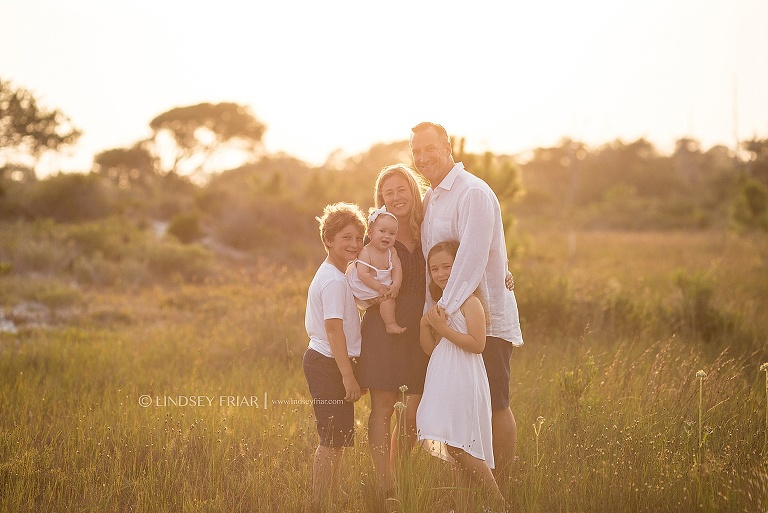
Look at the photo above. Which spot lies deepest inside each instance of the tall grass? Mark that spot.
(97, 412)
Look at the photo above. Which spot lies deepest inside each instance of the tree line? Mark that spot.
(204, 172)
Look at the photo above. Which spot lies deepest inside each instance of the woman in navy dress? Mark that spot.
(389, 362)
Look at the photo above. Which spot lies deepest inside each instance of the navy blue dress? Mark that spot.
(388, 361)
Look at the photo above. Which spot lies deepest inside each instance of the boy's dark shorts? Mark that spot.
(496, 356)
(334, 417)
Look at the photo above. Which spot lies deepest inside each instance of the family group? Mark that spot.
(428, 270)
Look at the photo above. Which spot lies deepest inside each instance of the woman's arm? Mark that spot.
(397, 275)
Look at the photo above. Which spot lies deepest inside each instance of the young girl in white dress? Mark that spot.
(377, 272)
(454, 416)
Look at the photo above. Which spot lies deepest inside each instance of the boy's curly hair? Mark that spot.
(338, 216)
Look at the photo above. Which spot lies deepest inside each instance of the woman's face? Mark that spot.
(397, 195)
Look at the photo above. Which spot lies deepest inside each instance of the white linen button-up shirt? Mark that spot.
(464, 208)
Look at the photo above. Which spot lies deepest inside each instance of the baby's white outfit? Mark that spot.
(360, 289)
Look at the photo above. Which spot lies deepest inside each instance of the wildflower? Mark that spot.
(701, 374)
(537, 431)
(403, 388)
(764, 367)
(400, 406)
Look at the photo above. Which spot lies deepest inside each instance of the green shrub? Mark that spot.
(69, 197)
(172, 260)
(186, 227)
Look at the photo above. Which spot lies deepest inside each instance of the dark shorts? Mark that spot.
(496, 356)
(334, 417)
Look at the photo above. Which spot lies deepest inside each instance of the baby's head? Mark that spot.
(382, 228)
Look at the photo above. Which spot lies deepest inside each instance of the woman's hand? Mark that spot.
(384, 292)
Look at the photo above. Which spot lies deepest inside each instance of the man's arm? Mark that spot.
(476, 217)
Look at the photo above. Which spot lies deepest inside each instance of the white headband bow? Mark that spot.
(377, 212)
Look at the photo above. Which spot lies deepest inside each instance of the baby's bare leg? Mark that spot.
(387, 309)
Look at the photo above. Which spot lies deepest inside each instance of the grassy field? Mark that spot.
(190, 396)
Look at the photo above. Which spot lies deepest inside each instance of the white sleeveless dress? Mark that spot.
(455, 409)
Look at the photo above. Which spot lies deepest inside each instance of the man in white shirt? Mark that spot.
(460, 206)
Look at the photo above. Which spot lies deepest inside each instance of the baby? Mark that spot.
(377, 271)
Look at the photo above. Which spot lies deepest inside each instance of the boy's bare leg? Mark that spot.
(326, 469)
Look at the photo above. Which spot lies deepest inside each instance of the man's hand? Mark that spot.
(509, 281)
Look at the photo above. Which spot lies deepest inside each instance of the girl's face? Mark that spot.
(440, 265)
(397, 196)
(383, 232)
(345, 245)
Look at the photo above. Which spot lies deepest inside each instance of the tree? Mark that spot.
(757, 165)
(127, 167)
(500, 173)
(28, 130)
(186, 138)
(751, 207)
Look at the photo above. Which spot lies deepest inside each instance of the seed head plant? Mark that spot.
(764, 368)
(702, 376)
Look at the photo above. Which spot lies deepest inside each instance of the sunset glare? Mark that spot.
(344, 75)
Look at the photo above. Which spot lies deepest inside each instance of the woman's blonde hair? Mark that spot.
(415, 184)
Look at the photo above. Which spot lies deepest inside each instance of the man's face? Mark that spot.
(431, 155)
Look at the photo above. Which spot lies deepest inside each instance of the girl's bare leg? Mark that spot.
(475, 473)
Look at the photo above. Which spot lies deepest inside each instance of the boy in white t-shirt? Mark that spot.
(333, 324)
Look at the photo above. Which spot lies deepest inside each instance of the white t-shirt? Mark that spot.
(330, 297)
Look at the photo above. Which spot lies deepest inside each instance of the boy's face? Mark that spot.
(346, 244)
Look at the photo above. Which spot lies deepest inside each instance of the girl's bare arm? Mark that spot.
(472, 341)
(426, 336)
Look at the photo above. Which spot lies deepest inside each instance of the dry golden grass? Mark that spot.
(610, 363)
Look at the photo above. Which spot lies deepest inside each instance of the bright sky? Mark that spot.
(346, 74)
